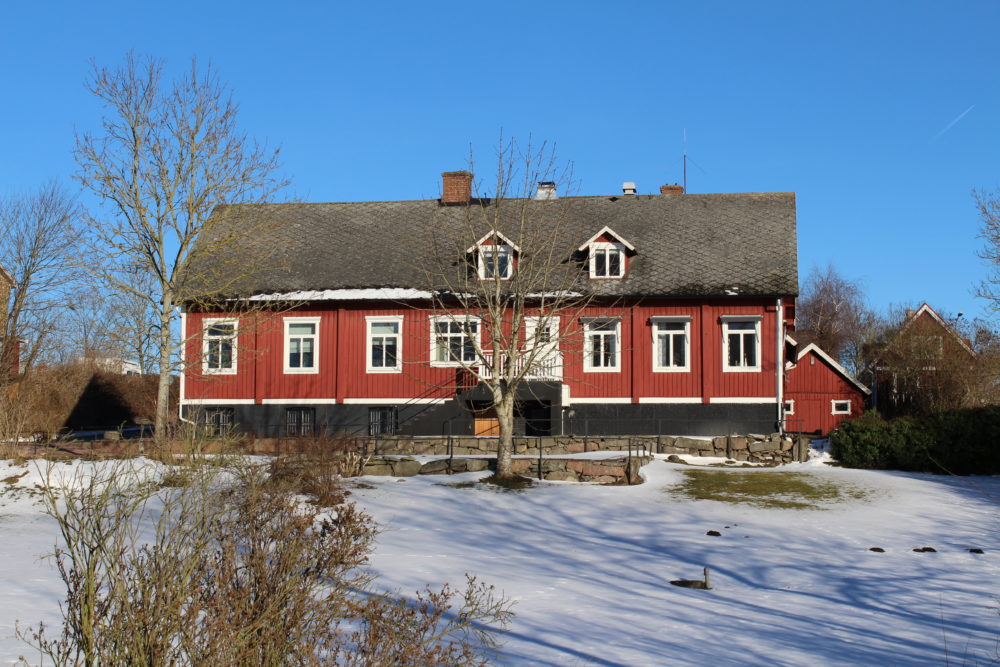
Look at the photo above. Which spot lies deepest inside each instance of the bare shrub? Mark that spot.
(314, 466)
(229, 570)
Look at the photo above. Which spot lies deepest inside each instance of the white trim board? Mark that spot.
(602, 399)
(217, 401)
(298, 401)
(670, 399)
(743, 399)
(394, 401)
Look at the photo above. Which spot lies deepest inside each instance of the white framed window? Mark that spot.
(741, 343)
(840, 407)
(219, 347)
(602, 345)
(454, 341)
(607, 260)
(384, 344)
(301, 344)
(790, 407)
(496, 262)
(671, 344)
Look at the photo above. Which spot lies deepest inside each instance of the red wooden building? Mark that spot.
(693, 295)
(820, 393)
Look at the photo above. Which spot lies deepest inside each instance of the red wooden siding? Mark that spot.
(342, 356)
(814, 385)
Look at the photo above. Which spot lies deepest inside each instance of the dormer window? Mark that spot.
(496, 262)
(607, 260)
(495, 256)
(607, 254)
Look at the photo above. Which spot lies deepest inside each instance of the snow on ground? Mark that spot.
(589, 568)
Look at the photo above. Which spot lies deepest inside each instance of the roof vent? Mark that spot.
(628, 188)
(546, 190)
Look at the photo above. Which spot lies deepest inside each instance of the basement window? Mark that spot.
(383, 420)
(300, 422)
(217, 421)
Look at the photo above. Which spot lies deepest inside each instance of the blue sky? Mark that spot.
(851, 105)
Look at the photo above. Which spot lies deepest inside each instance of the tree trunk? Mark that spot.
(163, 388)
(504, 406)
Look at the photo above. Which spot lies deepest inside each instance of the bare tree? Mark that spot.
(39, 249)
(167, 156)
(832, 313)
(505, 283)
(988, 203)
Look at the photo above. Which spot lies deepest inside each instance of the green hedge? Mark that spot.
(962, 442)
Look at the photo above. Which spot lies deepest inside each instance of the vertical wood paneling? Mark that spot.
(812, 384)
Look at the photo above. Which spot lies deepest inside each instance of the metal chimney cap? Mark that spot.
(628, 188)
(546, 190)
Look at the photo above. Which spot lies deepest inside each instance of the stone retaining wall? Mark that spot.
(753, 448)
(624, 470)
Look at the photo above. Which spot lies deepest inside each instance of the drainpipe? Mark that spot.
(779, 362)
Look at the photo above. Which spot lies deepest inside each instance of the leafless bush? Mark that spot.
(314, 467)
(227, 570)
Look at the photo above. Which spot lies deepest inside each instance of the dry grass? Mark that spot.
(765, 488)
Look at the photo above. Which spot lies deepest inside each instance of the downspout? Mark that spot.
(779, 363)
(184, 345)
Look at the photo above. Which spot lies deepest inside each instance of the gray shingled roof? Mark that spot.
(691, 245)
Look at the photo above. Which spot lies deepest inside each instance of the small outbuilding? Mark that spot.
(820, 393)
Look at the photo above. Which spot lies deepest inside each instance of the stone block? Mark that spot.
(562, 476)
(380, 469)
(739, 443)
(693, 444)
(604, 479)
(437, 467)
(476, 465)
(405, 467)
(719, 443)
(786, 445)
(764, 446)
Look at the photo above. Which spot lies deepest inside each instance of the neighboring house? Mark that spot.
(820, 393)
(10, 350)
(114, 365)
(694, 294)
(925, 365)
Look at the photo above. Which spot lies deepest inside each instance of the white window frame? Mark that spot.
(590, 322)
(605, 247)
(382, 319)
(476, 341)
(835, 411)
(728, 320)
(286, 346)
(686, 321)
(495, 250)
(790, 406)
(206, 339)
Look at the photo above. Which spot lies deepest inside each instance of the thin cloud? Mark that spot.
(952, 123)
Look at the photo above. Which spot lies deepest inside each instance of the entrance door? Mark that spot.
(486, 423)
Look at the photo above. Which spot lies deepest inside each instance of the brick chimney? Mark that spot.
(456, 187)
(672, 189)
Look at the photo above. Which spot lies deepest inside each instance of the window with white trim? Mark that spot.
(453, 341)
(496, 262)
(301, 344)
(741, 344)
(219, 347)
(671, 344)
(602, 338)
(384, 342)
(607, 260)
(840, 407)
(790, 407)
